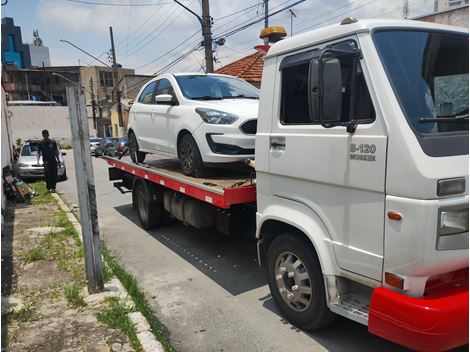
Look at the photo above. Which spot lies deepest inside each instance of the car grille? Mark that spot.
(249, 127)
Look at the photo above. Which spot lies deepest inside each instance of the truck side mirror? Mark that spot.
(325, 88)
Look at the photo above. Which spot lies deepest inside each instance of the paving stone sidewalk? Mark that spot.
(43, 306)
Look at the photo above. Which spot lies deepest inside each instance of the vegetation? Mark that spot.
(73, 294)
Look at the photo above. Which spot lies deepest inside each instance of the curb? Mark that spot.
(146, 338)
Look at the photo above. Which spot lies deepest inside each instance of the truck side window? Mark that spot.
(294, 92)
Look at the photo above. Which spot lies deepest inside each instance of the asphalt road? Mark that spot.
(207, 289)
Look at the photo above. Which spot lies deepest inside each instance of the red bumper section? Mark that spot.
(436, 322)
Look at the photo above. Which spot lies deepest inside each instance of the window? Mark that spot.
(164, 87)
(294, 89)
(147, 96)
(106, 79)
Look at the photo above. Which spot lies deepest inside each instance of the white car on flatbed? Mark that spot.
(202, 119)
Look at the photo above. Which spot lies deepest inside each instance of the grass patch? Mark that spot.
(33, 255)
(43, 195)
(73, 294)
(24, 314)
(140, 301)
(115, 315)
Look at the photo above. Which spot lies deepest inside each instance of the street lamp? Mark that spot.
(83, 51)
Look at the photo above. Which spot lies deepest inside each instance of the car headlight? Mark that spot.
(453, 222)
(216, 116)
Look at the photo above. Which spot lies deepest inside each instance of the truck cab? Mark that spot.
(362, 179)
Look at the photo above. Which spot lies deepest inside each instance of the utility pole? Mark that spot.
(86, 189)
(292, 14)
(117, 92)
(93, 103)
(405, 9)
(206, 32)
(27, 85)
(266, 14)
(206, 24)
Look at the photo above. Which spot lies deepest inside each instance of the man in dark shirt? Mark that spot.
(50, 158)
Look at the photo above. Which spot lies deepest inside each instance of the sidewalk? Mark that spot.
(44, 304)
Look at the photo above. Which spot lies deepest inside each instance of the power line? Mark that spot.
(237, 12)
(174, 62)
(115, 4)
(169, 51)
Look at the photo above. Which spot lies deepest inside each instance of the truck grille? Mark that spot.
(249, 127)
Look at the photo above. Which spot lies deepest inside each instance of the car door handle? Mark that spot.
(278, 143)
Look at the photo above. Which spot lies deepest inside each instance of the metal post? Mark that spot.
(27, 85)
(206, 32)
(86, 189)
(116, 85)
(93, 103)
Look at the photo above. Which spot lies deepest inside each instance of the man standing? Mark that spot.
(50, 158)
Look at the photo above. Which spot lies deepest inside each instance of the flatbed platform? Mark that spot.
(224, 190)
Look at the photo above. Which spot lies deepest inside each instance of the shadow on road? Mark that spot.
(231, 263)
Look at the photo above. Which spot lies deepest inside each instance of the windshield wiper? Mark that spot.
(457, 118)
(240, 96)
(207, 97)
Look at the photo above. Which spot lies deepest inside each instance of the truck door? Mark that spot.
(340, 176)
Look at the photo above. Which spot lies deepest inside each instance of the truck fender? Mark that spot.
(277, 219)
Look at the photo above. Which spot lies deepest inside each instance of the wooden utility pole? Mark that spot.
(86, 189)
(117, 92)
(206, 32)
(266, 14)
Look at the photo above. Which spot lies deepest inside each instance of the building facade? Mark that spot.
(38, 52)
(14, 52)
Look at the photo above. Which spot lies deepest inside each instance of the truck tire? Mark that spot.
(150, 212)
(296, 282)
(190, 157)
(136, 155)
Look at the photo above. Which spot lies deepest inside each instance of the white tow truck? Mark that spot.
(360, 200)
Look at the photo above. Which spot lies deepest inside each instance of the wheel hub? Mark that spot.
(293, 281)
(187, 156)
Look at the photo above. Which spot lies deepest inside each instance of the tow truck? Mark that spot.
(359, 202)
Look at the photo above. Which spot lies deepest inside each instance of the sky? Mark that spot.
(151, 34)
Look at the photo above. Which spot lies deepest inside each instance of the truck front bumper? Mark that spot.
(436, 322)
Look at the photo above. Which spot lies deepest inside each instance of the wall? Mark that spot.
(457, 17)
(27, 122)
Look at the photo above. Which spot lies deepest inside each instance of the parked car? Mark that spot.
(105, 147)
(120, 147)
(93, 144)
(27, 167)
(202, 119)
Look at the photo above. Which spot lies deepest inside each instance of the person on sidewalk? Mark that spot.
(50, 158)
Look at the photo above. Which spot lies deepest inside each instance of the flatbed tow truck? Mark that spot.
(359, 208)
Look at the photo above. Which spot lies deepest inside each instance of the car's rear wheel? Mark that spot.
(190, 157)
(136, 155)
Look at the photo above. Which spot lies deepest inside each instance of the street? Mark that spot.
(207, 289)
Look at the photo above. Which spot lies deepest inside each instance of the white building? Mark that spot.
(38, 52)
(444, 5)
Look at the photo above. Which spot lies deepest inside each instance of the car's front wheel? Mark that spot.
(136, 155)
(190, 157)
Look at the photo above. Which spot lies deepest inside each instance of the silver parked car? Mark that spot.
(27, 167)
(93, 144)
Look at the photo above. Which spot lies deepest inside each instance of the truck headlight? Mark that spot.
(216, 116)
(453, 222)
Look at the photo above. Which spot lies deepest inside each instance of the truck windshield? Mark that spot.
(429, 74)
(205, 87)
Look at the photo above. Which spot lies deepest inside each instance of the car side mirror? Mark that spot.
(166, 99)
(325, 91)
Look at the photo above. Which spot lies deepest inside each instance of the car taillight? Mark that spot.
(121, 148)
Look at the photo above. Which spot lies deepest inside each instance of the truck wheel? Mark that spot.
(136, 155)
(296, 282)
(190, 157)
(150, 213)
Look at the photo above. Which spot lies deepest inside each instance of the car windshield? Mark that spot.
(429, 74)
(95, 140)
(29, 149)
(208, 87)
